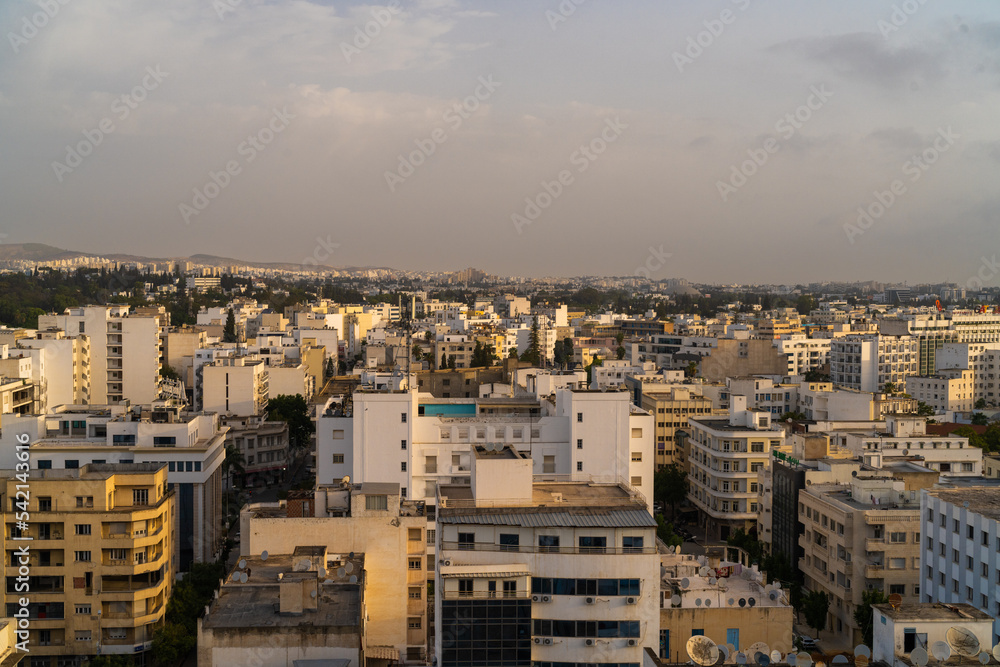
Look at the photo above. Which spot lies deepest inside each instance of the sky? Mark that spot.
(722, 141)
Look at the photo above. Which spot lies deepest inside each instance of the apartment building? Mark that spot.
(537, 572)
(804, 354)
(951, 390)
(368, 520)
(867, 362)
(192, 446)
(101, 559)
(125, 353)
(983, 359)
(821, 401)
(723, 459)
(933, 330)
(901, 629)
(960, 554)
(611, 373)
(263, 445)
(765, 395)
(61, 366)
(235, 386)
(18, 396)
(905, 438)
(860, 536)
(179, 347)
(671, 407)
(417, 441)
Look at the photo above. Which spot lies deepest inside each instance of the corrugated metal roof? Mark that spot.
(536, 518)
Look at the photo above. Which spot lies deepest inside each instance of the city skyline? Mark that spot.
(714, 135)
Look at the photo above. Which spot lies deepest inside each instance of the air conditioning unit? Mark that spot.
(631, 600)
(447, 563)
(538, 640)
(547, 641)
(546, 598)
(632, 642)
(536, 598)
(590, 600)
(591, 642)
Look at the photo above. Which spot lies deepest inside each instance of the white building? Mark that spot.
(723, 458)
(804, 354)
(868, 361)
(960, 558)
(951, 390)
(235, 386)
(124, 350)
(543, 572)
(905, 438)
(901, 629)
(983, 359)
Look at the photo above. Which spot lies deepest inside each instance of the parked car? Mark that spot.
(808, 643)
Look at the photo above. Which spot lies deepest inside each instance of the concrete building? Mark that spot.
(179, 347)
(368, 519)
(60, 366)
(292, 608)
(867, 362)
(859, 537)
(960, 555)
(670, 409)
(900, 629)
(264, 446)
(100, 557)
(951, 390)
(732, 357)
(125, 352)
(738, 611)
(905, 438)
(192, 446)
(540, 572)
(18, 396)
(934, 330)
(983, 359)
(723, 459)
(803, 354)
(235, 386)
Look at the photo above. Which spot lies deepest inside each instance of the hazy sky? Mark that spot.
(646, 111)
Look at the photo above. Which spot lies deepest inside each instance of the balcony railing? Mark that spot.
(529, 548)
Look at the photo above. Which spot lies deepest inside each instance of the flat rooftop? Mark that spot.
(982, 499)
(933, 611)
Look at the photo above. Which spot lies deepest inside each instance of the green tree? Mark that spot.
(444, 361)
(620, 352)
(559, 354)
(863, 615)
(980, 404)
(890, 388)
(979, 419)
(619, 337)
(670, 486)
(924, 410)
(596, 361)
(451, 362)
(167, 371)
(794, 415)
(294, 411)
(534, 343)
(331, 367)
(991, 438)
(691, 370)
(815, 606)
(974, 438)
(568, 350)
(665, 531)
(418, 352)
(816, 376)
(233, 463)
(229, 332)
(171, 645)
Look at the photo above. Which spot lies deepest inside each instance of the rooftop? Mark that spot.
(933, 611)
(983, 499)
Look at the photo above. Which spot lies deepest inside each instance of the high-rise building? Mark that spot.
(867, 362)
(671, 407)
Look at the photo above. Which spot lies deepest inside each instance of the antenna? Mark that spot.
(963, 641)
(803, 659)
(918, 656)
(941, 651)
(702, 650)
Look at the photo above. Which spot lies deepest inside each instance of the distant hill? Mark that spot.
(34, 252)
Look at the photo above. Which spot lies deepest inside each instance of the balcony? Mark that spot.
(875, 571)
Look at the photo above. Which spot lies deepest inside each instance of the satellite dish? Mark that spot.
(984, 658)
(341, 572)
(724, 652)
(702, 650)
(996, 652)
(723, 586)
(895, 600)
(731, 602)
(777, 585)
(752, 602)
(743, 602)
(677, 549)
(244, 577)
(773, 595)
(349, 567)
(963, 641)
(966, 504)
(243, 563)
(353, 579)
(346, 480)
(860, 661)
(741, 659)
(676, 600)
(697, 602)
(263, 555)
(758, 647)
(322, 573)
(308, 564)
(803, 659)
(790, 659)
(775, 656)
(350, 555)
(703, 571)
(861, 649)
(708, 602)
(712, 581)
(839, 659)
(685, 583)
(761, 659)
(918, 656)
(312, 594)
(941, 651)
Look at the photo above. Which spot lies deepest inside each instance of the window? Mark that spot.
(413, 534)
(897, 538)
(72, 463)
(592, 544)
(579, 466)
(579, 417)
(83, 609)
(897, 589)
(164, 441)
(377, 502)
(548, 543)
(82, 635)
(338, 458)
(402, 466)
(414, 592)
(413, 623)
(636, 457)
(430, 464)
(402, 417)
(466, 541)
(81, 556)
(338, 434)
(636, 481)
(509, 542)
(465, 588)
(637, 433)
(413, 563)
(548, 464)
(119, 554)
(510, 589)
(402, 444)
(83, 529)
(632, 545)
(756, 446)
(140, 496)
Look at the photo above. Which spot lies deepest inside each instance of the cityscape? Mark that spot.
(445, 333)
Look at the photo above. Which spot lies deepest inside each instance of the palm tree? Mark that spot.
(233, 463)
